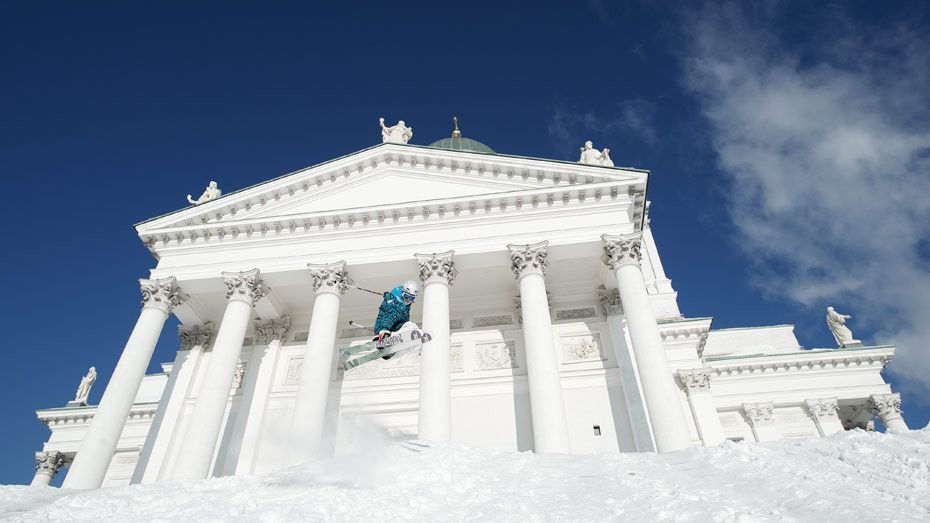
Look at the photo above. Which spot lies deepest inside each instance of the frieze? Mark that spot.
(492, 321)
(575, 314)
(581, 348)
(497, 355)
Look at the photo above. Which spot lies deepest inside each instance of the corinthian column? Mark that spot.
(550, 430)
(92, 460)
(330, 281)
(437, 272)
(622, 255)
(243, 289)
(888, 409)
(47, 465)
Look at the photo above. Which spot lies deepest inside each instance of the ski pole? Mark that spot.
(359, 325)
(366, 290)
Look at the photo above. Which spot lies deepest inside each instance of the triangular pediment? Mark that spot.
(387, 186)
(388, 175)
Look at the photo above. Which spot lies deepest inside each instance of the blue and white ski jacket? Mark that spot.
(393, 312)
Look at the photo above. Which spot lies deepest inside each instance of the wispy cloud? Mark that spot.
(569, 127)
(826, 146)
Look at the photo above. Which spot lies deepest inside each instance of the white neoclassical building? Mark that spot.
(555, 326)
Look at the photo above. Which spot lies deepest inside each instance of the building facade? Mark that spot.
(555, 327)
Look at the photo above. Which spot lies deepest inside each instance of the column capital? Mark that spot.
(50, 462)
(609, 301)
(695, 380)
(162, 294)
(822, 408)
(196, 336)
(330, 278)
(272, 330)
(437, 267)
(245, 286)
(760, 414)
(885, 405)
(620, 250)
(529, 259)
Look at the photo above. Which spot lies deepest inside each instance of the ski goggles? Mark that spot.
(409, 297)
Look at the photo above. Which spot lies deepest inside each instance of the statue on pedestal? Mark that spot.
(837, 324)
(211, 192)
(399, 133)
(83, 390)
(591, 156)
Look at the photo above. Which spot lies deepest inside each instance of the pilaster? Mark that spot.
(825, 414)
(761, 417)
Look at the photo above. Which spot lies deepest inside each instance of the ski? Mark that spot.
(389, 345)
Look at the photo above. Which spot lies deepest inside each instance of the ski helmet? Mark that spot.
(411, 289)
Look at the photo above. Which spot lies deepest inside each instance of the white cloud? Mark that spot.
(570, 127)
(826, 146)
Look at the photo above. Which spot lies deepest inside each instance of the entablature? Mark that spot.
(510, 185)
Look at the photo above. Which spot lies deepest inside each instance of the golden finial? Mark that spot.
(455, 132)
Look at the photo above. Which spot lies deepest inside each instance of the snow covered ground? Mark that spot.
(847, 477)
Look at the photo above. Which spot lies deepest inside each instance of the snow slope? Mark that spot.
(851, 476)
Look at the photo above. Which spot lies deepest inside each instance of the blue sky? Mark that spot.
(789, 146)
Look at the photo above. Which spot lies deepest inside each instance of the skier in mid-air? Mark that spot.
(394, 312)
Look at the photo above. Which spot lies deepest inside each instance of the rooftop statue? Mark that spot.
(83, 390)
(591, 156)
(399, 133)
(212, 192)
(837, 324)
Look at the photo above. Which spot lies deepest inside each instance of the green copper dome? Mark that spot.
(457, 143)
(462, 144)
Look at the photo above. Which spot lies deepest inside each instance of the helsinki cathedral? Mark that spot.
(554, 327)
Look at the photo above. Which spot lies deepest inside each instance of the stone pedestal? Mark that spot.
(330, 282)
(92, 460)
(437, 272)
(243, 289)
(670, 429)
(550, 429)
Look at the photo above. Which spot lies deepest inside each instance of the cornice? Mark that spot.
(489, 166)
(686, 331)
(872, 357)
(83, 415)
(493, 205)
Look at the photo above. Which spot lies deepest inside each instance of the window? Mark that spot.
(597, 430)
